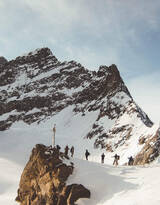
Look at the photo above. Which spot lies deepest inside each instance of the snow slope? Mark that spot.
(109, 185)
(70, 129)
(118, 185)
(9, 178)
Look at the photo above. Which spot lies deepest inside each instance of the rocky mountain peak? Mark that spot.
(112, 74)
(41, 51)
(111, 69)
(3, 60)
(43, 180)
(37, 56)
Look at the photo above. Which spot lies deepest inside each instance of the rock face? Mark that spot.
(150, 151)
(37, 86)
(3, 61)
(43, 181)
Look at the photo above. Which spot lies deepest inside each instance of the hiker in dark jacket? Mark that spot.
(58, 148)
(130, 160)
(72, 151)
(66, 150)
(116, 158)
(102, 158)
(87, 154)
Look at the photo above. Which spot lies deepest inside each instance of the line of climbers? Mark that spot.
(116, 158)
(87, 154)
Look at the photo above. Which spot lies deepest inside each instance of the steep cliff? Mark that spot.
(43, 180)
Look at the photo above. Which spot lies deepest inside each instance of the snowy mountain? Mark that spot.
(94, 107)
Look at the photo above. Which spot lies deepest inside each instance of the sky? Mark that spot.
(94, 33)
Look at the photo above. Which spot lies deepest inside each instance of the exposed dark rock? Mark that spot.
(3, 61)
(142, 140)
(77, 191)
(150, 151)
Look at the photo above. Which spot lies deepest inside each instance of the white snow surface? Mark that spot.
(108, 185)
(117, 185)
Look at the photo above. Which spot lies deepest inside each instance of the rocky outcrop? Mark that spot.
(150, 150)
(43, 181)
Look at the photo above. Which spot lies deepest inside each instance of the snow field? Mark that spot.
(109, 185)
(117, 185)
(10, 173)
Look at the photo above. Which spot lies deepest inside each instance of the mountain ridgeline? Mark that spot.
(37, 86)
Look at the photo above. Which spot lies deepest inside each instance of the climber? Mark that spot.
(102, 158)
(87, 154)
(116, 158)
(130, 160)
(72, 151)
(58, 147)
(66, 150)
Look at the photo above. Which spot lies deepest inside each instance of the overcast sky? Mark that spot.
(123, 32)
